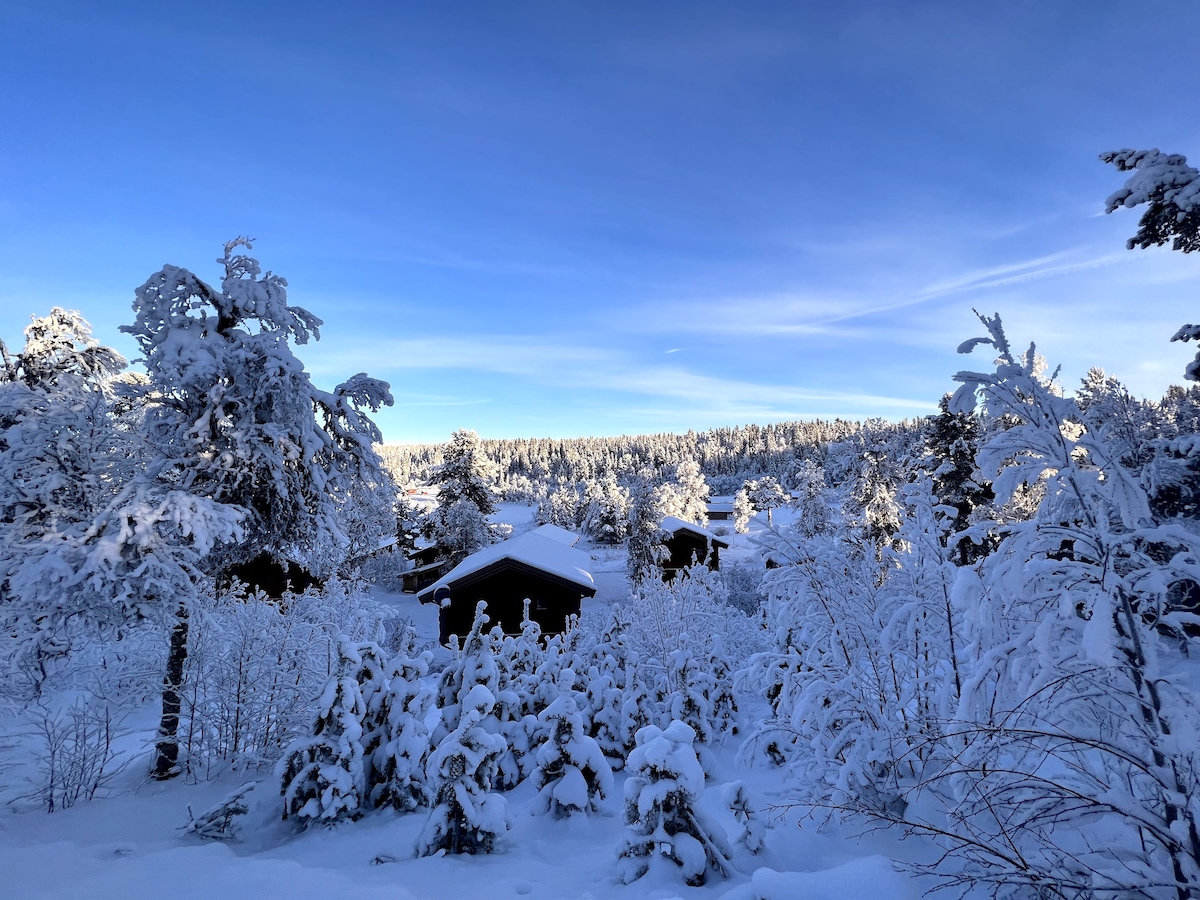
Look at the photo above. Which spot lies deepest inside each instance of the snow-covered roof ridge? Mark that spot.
(533, 549)
(555, 533)
(674, 523)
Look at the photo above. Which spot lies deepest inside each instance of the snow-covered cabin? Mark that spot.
(720, 509)
(540, 566)
(689, 544)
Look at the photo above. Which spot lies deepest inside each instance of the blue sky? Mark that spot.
(599, 218)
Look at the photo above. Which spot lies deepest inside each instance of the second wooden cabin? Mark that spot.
(688, 544)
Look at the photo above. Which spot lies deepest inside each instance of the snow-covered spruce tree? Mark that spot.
(466, 817)
(743, 509)
(321, 777)
(952, 440)
(235, 426)
(650, 503)
(572, 773)
(874, 498)
(816, 505)
(692, 492)
(665, 782)
(1080, 771)
(475, 664)
(375, 690)
(466, 473)
(400, 760)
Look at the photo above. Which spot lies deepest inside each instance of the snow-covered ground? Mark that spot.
(129, 844)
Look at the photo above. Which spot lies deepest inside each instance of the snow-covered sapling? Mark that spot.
(400, 760)
(217, 823)
(665, 782)
(321, 777)
(466, 817)
(572, 772)
(753, 826)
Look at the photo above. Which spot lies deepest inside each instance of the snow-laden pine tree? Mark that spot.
(238, 434)
(572, 773)
(1170, 190)
(466, 816)
(461, 529)
(321, 777)
(560, 507)
(664, 785)
(605, 510)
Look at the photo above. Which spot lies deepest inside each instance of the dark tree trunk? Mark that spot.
(166, 752)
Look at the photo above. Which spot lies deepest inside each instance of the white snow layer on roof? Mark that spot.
(550, 555)
(673, 524)
(554, 533)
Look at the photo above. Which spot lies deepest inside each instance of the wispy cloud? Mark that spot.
(813, 312)
(560, 362)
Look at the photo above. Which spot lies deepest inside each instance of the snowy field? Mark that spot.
(129, 843)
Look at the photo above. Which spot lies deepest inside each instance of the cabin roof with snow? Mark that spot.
(674, 525)
(555, 533)
(548, 555)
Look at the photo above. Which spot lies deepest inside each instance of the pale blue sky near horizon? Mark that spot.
(562, 219)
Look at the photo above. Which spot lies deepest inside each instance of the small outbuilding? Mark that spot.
(428, 565)
(540, 566)
(688, 544)
(720, 509)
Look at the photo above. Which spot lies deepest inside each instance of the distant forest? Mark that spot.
(528, 467)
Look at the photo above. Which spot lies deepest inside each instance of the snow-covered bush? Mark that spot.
(254, 667)
(74, 751)
(743, 586)
(665, 782)
(466, 817)
(571, 773)
(687, 639)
